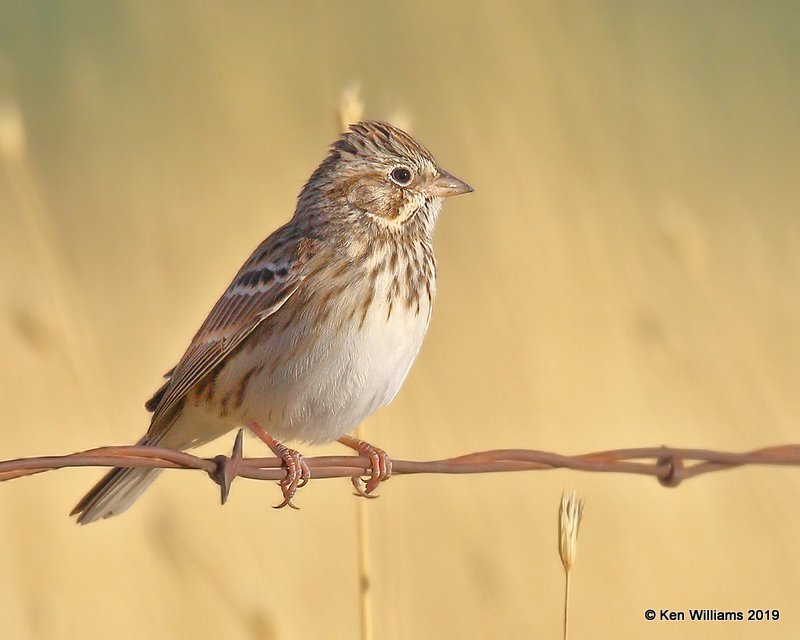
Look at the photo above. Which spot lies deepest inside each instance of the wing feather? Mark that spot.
(274, 272)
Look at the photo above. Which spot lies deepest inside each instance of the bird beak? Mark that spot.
(446, 185)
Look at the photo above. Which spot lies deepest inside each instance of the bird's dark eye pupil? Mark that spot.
(401, 176)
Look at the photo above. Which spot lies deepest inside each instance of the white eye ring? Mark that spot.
(401, 176)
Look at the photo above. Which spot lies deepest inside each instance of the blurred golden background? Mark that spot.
(627, 273)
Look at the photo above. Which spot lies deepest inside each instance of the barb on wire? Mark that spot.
(669, 465)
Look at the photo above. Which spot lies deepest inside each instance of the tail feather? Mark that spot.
(114, 494)
(120, 487)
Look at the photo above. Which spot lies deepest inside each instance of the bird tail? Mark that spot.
(121, 487)
(117, 491)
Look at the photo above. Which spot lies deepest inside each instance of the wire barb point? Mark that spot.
(227, 468)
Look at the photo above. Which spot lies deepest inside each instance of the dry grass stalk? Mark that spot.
(12, 130)
(570, 512)
(349, 110)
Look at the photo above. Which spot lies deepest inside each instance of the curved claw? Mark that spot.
(287, 502)
(358, 485)
(305, 473)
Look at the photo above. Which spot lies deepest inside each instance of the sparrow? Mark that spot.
(319, 327)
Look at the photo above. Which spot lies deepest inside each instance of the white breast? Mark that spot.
(337, 375)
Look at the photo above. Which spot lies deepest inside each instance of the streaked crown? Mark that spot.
(372, 140)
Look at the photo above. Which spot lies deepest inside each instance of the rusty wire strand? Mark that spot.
(670, 466)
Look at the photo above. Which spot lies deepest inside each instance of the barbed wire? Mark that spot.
(669, 465)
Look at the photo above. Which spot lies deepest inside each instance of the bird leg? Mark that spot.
(297, 472)
(381, 466)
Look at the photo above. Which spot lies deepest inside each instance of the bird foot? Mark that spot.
(297, 472)
(297, 475)
(381, 466)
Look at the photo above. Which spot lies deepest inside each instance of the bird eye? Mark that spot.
(401, 176)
